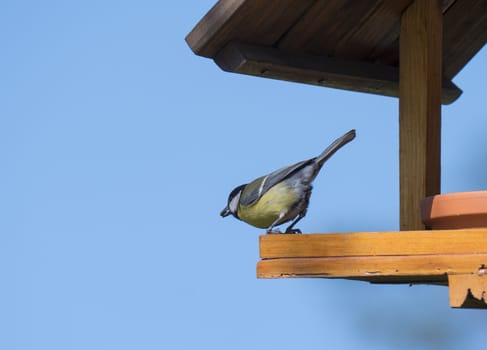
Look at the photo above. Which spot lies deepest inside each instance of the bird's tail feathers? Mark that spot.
(335, 146)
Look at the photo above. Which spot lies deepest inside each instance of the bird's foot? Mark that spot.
(293, 230)
(273, 231)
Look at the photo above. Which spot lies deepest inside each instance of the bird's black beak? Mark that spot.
(225, 212)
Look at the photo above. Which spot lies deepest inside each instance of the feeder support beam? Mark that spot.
(420, 85)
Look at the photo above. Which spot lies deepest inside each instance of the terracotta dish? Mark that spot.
(455, 210)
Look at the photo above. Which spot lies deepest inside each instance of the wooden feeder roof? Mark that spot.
(406, 48)
(346, 44)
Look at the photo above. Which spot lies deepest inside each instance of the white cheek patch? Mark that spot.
(233, 205)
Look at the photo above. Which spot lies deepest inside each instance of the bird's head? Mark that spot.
(233, 201)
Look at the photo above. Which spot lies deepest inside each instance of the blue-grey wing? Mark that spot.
(253, 192)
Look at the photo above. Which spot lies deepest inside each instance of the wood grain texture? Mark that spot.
(468, 290)
(468, 241)
(420, 85)
(256, 21)
(367, 35)
(365, 30)
(404, 269)
(276, 63)
(465, 24)
(387, 50)
(457, 258)
(328, 25)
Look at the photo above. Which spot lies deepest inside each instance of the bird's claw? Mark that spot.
(273, 231)
(293, 230)
(288, 231)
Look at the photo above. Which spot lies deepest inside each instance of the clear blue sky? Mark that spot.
(119, 147)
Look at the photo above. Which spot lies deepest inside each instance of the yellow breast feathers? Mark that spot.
(269, 207)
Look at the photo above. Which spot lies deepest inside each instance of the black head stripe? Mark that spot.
(235, 191)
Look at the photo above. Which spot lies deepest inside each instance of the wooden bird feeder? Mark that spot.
(410, 49)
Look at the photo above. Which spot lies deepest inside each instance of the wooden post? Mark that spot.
(420, 75)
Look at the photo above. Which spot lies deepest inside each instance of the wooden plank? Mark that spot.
(468, 290)
(387, 50)
(366, 36)
(205, 38)
(446, 4)
(468, 241)
(465, 34)
(256, 21)
(366, 30)
(275, 63)
(372, 268)
(420, 86)
(325, 24)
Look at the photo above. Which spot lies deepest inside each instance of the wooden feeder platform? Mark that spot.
(457, 258)
(411, 49)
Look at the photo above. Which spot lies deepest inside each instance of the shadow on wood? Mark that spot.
(448, 257)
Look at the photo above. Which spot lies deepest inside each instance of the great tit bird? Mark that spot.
(282, 195)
